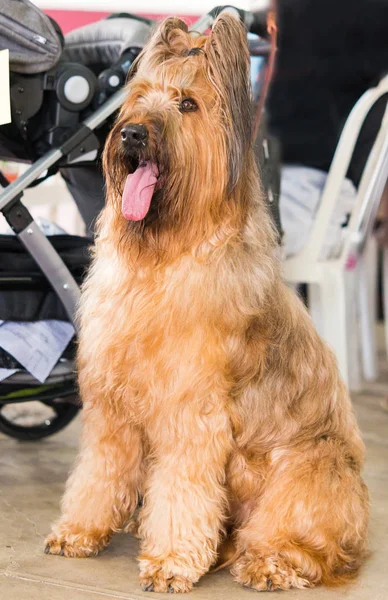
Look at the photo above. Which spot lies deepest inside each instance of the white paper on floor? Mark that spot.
(4, 373)
(37, 346)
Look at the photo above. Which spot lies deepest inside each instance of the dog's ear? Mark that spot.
(228, 61)
(170, 37)
(169, 28)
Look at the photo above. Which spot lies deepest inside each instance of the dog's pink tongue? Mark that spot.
(138, 191)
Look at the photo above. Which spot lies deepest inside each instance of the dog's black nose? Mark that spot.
(134, 136)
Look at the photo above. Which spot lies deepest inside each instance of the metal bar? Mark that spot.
(106, 109)
(53, 267)
(259, 47)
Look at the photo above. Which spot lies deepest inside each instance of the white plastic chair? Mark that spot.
(367, 284)
(385, 295)
(338, 288)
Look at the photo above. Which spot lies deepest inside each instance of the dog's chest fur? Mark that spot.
(166, 334)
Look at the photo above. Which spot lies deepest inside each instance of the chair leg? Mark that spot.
(334, 312)
(367, 297)
(385, 295)
(315, 304)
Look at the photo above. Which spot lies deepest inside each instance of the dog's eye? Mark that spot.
(188, 105)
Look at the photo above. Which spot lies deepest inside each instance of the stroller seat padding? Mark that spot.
(105, 41)
(26, 294)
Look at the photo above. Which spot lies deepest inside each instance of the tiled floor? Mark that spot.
(32, 477)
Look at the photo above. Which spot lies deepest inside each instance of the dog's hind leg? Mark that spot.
(309, 527)
(102, 492)
(185, 498)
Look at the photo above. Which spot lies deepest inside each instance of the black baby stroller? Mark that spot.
(64, 95)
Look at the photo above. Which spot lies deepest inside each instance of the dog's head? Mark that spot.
(181, 140)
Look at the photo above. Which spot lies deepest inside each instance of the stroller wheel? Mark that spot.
(35, 420)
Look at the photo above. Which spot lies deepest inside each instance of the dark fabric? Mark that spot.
(25, 294)
(104, 42)
(268, 160)
(12, 145)
(366, 139)
(73, 249)
(330, 52)
(86, 185)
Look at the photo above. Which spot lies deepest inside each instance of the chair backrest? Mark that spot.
(371, 184)
(370, 190)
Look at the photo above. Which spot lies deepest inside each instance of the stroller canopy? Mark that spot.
(33, 39)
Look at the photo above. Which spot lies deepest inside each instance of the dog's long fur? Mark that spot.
(206, 390)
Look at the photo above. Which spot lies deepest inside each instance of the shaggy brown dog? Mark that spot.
(206, 388)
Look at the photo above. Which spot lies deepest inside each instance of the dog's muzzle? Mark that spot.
(134, 137)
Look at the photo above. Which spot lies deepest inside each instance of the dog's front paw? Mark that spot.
(74, 545)
(267, 573)
(160, 582)
(162, 577)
